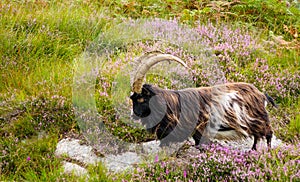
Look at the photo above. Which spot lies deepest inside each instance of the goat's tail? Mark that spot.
(271, 100)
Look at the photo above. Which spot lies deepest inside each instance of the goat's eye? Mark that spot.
(141, 100)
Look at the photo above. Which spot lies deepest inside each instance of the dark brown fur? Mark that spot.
(235, 110)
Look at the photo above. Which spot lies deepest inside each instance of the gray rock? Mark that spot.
(71, 168)
(122, 162)
(151, 147)
(247, 143)
(84, 154)
(74, 150)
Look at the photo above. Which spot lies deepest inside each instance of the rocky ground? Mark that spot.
(78, 154)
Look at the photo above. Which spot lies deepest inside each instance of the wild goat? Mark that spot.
(228, 111)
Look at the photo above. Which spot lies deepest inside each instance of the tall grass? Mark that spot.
(39, 37)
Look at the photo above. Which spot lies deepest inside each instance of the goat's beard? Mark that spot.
(158, 121)
(162, 128)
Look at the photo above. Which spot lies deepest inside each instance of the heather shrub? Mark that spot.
(26, 129)
(219, 163)
(235, 54)
(281, 84)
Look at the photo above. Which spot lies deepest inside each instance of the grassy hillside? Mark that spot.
(255, 41)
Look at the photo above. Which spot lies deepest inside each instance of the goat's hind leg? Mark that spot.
(268, 138)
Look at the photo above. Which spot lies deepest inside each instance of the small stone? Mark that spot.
(151, 147)
(71, 168)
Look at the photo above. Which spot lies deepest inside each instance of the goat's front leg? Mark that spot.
(255, 142)
(197, 136)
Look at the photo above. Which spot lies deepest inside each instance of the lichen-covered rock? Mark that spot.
(73, 149)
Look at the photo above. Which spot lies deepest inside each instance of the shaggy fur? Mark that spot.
(228, 111)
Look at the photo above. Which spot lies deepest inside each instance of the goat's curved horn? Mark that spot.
(147, 61)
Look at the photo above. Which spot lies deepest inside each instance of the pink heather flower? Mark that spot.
(284, 169)
(184, 173)
(28, 158)
(103, 94)
(167, 171)
(156, 158)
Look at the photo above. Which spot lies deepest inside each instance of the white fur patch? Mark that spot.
(226, 99)
(224, 102)
(266, 103)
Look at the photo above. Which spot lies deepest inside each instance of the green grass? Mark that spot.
(39, 41)
(34, 44)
